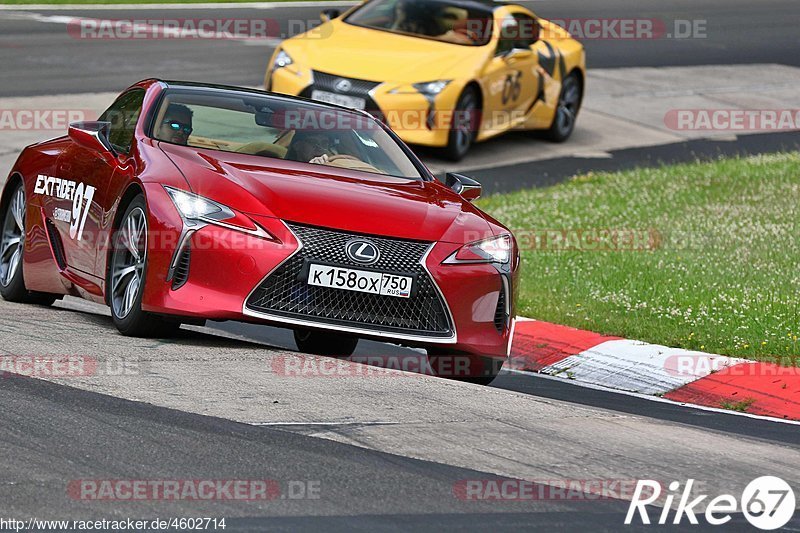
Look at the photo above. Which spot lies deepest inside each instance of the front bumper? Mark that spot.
(407, 113)
(226, 268)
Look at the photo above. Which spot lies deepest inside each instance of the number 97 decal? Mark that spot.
(80, 210)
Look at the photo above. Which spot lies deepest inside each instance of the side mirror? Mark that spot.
(93, 135)
(467, 187)
(329, 14)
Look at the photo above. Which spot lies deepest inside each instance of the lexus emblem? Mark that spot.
(362, 251)
(342, 85)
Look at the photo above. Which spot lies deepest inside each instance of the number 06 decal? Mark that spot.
(512, 86)
(80, 210)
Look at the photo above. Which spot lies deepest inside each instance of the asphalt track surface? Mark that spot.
(101, 437)
(42, 58)
(387, 458)
(53, 432)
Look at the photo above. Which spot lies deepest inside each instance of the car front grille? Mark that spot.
(358, 88)
(285, 292)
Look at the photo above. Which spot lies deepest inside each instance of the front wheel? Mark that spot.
(464, 126)
(126, 274)
(323, 343)
(569, 103)
(12, 244)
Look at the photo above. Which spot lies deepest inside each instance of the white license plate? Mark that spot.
(360, 280)
(339, 99)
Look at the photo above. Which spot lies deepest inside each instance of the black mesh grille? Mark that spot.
(358, 88)
(500, 316)
(327, 82)
(285, 293)
(181, 275)
(56, 244)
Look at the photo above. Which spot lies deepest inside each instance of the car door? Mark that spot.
(511, 76)
(89, 175)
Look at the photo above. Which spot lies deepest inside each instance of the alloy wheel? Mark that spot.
(568, 104)
(127, 268)
(11, 243)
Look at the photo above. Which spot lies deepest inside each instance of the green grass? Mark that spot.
(724, 276)
(740, 407)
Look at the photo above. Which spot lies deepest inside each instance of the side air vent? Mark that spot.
(181, 274)
(500, 315)
(55, 244)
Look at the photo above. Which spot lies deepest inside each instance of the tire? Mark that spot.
(464, 127)
(126, 274)
(569, 104)
(461, 366)
(324, 343)
(12, 244)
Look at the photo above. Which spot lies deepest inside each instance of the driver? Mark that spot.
(411, 16)
(312, 147)
(177, 124)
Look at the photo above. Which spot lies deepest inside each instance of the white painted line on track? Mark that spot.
(655, 398)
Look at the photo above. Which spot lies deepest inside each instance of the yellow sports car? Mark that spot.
(441, 73)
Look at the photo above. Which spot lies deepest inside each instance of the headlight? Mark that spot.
(197, 209)
(431, 88)
(282, 59)
(492, 250)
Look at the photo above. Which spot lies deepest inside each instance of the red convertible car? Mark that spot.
(186, 202)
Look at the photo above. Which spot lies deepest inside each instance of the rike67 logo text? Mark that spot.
(767, 502)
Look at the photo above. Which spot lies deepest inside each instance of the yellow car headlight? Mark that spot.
(431, 88)
(282, 59)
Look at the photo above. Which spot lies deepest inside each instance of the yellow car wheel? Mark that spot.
(464, 125)
(569, 103)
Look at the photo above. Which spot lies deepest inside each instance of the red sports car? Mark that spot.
(187, 202)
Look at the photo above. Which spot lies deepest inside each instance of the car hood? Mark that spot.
(340, 49)
(330, 197)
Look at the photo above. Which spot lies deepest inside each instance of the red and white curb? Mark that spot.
(683, 376)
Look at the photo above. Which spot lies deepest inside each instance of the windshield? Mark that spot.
(269, 126)
(465, 23)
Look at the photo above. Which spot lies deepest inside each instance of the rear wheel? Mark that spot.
(324, 343)
(464, 126)
(127, 271)
(569, 103)
(12, 243)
